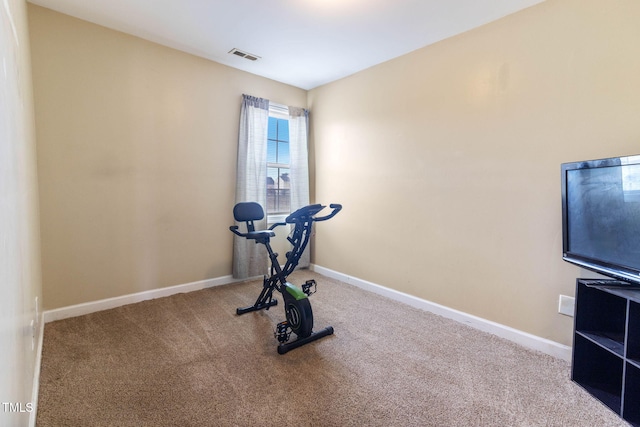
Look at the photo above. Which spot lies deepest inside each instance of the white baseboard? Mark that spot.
(106, 304)
(525, 339)
(534, 342)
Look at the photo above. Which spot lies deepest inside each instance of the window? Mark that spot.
(279, 181)
(278, 169)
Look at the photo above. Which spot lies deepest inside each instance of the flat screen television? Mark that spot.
(601, 216)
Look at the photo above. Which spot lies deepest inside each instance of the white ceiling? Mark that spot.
(304, 43)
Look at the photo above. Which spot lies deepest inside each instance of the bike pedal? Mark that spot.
(282, 332)
(309, 287)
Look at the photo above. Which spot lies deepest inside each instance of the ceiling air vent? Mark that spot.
(245, 55)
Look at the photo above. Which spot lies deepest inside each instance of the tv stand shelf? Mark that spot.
(606, 345)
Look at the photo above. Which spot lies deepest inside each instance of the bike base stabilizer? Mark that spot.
(256, 307)
(285, 347)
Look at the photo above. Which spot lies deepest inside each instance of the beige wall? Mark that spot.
(136, 158)
(20, 281)
(447, 160)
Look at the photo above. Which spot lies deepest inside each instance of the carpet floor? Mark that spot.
(189, 360)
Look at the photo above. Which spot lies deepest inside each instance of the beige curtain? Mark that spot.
(299, 166)
(249, 259)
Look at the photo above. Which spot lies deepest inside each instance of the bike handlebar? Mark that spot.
(337, 207)
(277, 224)
(307, 213)
(234, 229)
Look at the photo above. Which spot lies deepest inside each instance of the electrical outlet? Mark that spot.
(566, 305)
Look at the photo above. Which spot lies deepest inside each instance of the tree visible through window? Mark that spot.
(278, 163)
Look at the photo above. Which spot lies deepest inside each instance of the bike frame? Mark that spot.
(302, 220)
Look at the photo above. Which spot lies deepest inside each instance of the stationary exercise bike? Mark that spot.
(297, 307)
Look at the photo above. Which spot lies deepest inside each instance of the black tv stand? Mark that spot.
(606, 344)
(610, 283)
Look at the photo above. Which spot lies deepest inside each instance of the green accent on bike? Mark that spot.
(295, 292)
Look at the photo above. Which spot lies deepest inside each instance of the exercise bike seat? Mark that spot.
(248, 212)
(257, 235)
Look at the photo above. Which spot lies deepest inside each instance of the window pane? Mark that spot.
(273, 128)
(283, 152)
(284, 200)
(272, 189)
(272, 177)
(278, 185)
(278, 190)
(284, 195)
(284, 177)
(283, 130)
(272, 154)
